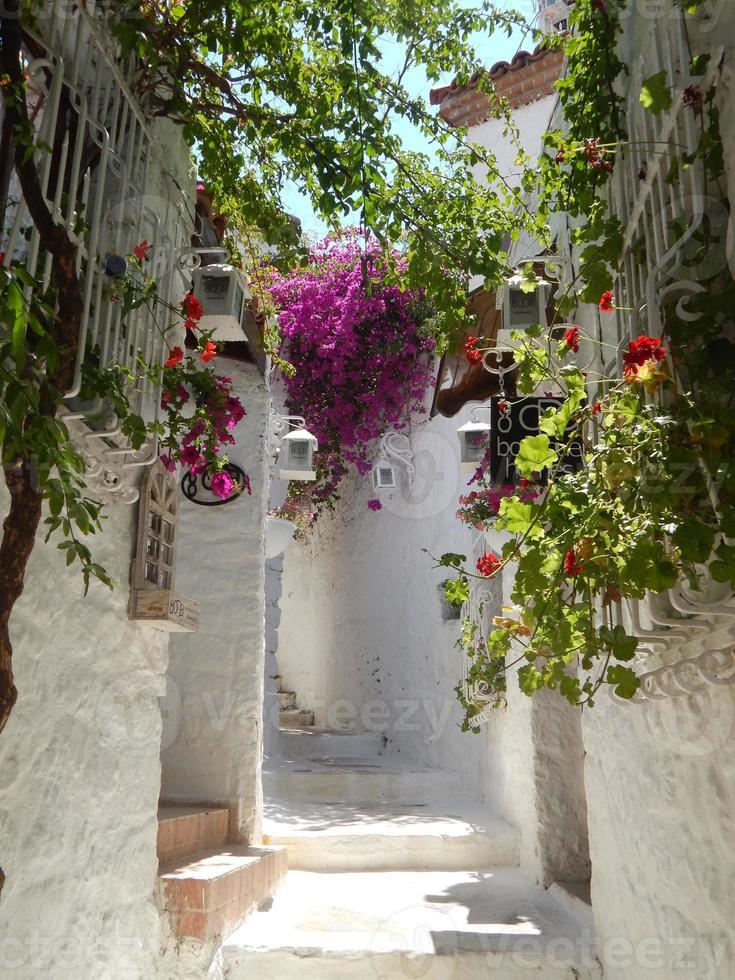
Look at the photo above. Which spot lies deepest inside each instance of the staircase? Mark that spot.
(207, 887)
(289, 715)
(393, 873)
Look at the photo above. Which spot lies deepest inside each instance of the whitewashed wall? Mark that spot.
(215, 754)
(80, 772)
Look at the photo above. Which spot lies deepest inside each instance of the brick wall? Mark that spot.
(526, 78)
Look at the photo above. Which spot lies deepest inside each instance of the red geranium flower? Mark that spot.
(571, 339)
(474, 356)
(571, 566)
(606, 303)
(209, 352)
(641, 358)
(503, 406)
(488, 564)
(192, 308)
(141, 251)
(175, 356)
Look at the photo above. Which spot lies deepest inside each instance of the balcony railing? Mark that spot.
(107, 178)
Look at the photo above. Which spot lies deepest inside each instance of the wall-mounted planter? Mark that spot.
(278, 535)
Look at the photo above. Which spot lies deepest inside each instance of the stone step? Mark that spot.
(278, 681)
(458, 925)
(296, 718)
(381, 837)
(286, 699)
(321, 744)
(358, 780)
(187, 830)
(207, 896)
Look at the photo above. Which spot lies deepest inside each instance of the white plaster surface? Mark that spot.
(216, 755)
(435, 925)
(80, 773)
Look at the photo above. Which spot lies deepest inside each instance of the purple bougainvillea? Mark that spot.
(360, 351)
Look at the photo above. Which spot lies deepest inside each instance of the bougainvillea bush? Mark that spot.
(360, 348)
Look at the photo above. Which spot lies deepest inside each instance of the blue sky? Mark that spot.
(495, 48)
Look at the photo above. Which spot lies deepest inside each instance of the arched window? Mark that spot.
(152, 596)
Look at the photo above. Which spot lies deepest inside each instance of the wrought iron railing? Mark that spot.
(106, 176)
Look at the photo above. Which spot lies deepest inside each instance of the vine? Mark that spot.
(654, 503)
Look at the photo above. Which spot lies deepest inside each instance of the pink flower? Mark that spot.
(222, 485)
(374, 504)
(191, 456)
(168, 462)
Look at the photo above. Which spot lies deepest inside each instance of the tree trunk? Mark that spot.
(19, 534)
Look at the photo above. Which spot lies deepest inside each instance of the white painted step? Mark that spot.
(379, 837)
(358, 780)
(427, 925)
(319, 744)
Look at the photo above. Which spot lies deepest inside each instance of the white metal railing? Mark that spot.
(104, 180)
(481, 606)
(652, 195)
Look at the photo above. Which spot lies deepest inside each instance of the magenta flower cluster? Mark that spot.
(196, 442)
(361, 356)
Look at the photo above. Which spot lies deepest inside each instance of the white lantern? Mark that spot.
(222, 291)
(473, 443)
(384, 476)
(523, 309)
(297, 454)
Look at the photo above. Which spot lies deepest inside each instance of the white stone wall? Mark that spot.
(215, 752)
(80, 772)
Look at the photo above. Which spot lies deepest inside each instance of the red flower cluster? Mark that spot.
(503, 406)
(571, 339)
(488, 564)
(571, 566)
(210, 351)
(644, 352)
(596, 155)
(606, 303)
(192, 311)
(175, 356)
(141, 251)
(560, 157)
(474, 356)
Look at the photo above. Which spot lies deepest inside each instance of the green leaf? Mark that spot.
(530, 679)
(535, 455)
(625, 680)
(515, 516)
(655, 93)
(694, 539)
(457, 590)
(618, 642)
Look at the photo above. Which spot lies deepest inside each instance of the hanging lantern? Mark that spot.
(473, 444)
(384, 476)
(222, 291)
(523, 309)
(296, 460)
